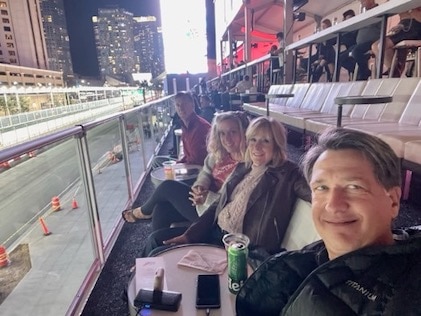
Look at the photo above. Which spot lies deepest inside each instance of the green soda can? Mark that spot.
(237, 266)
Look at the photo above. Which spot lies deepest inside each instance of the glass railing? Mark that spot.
(62, 196)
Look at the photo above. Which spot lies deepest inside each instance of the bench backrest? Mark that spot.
(316, 93)
(280, 89)
(374, 87)
(412, 113)
(301, 230)
(299, 90)
(393, 111)
(341, 89)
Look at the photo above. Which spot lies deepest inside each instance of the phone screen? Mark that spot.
(208, 292)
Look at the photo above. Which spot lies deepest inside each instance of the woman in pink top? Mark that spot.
(175, 201)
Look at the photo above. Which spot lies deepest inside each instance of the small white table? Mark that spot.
(183, 279)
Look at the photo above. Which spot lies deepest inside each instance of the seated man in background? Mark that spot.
(243, 85)
(408, 28)
(326, 56)
(358, 268)
(348, 40)
(195, 131)
(366, 36)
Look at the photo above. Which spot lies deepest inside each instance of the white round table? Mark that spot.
(183, 279)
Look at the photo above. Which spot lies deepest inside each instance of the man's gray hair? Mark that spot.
(386, 165)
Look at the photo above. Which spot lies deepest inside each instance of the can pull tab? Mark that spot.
(158, 283)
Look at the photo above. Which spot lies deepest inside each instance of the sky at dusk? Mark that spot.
(79, 25)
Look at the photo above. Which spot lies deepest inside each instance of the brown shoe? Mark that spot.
(134, 215)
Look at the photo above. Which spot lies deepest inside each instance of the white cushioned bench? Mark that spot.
(301, 230)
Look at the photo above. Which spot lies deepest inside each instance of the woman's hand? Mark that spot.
(198, 195)
(179, 240)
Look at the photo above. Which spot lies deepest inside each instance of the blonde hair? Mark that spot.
(278, 134)
(215, 147)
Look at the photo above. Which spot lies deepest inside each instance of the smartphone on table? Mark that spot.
(208, 291)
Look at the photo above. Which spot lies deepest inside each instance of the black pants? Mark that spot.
(169, 204)
(359, 53)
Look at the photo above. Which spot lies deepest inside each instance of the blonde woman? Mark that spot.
(175, 201)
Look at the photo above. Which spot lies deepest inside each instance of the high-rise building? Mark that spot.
(22, 40)
(56, 37)
(113, 28)
(148, 45)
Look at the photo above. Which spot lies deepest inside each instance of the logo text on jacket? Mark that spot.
(356, 286)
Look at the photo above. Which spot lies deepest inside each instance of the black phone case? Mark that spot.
(163, 300)
(202, 301)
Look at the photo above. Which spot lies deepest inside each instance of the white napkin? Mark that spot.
(204, 261)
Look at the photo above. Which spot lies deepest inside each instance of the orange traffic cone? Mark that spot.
(4, 258)
(44, 227)
(32, 154)
(55, 204)
(74, 203)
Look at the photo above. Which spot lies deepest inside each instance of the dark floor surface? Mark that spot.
(107, 297)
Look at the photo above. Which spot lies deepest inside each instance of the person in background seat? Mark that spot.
(360, 267)
(326, 56)
(207, 110)
(349, 41)
(366, 36)
(408, 28)
(243, 85)
(195, 131)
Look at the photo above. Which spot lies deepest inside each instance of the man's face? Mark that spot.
(184, 107)
(351, 209)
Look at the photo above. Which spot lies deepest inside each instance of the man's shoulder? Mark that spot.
(199, 122)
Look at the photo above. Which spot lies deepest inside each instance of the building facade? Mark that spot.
(113, 29)
(56, 37)
(148, 45)
(22, 40)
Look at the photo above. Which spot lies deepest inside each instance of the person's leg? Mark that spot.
(330, 69)
(347, 61)
(317, 73)
(389, 51)
(155, 240)
(164, 214)
(175, 193)
(360, 56)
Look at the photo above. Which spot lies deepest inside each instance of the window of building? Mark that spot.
(8, 36)
(12, 53)
(4, 12)
(3, 4)
(6, 20)
(7, 28)
(10, 45)
(1, 52)
(13, 61)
